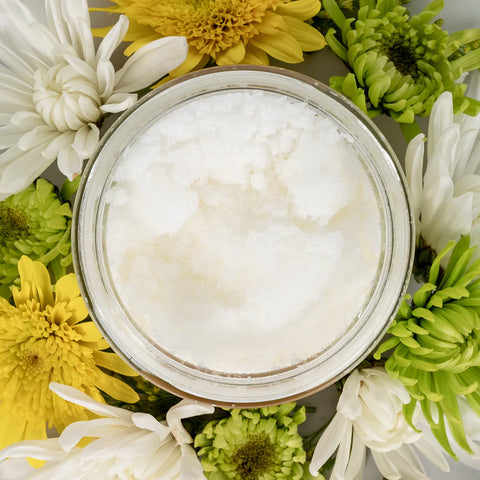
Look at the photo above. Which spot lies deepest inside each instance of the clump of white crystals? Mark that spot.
(243, 233)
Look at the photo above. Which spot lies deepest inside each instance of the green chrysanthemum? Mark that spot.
(261, 444)
(436, 342)
(401, 64)
(36, 223)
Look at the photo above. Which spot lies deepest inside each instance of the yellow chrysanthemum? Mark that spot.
(227, 31)
(45, 339)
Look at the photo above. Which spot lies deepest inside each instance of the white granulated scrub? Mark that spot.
(242, 232)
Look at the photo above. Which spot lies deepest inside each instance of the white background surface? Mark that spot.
(458, 15)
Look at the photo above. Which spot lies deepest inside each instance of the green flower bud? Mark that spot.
(35, 223)
(401, 64)
(261, 444)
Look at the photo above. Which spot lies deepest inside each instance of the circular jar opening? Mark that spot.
(243, 235)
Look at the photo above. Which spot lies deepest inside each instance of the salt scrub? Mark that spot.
(243, 234)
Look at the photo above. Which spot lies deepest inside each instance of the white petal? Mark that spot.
(148, 422)
(414, 174)
(86, 141)
(150, 63)
(112, 39)
(119, 102)
(15, 469)
(16, 63)
(48, 449)
(190, 466)
(79, 398)
(77, 19)
(60, 142)
(106, 78)
(74, 432)
(441, 120)
(53, 10)
(349, 403)
(185, 409)
(343, 457)
(386, 467)
(357, 458)
(41, 135)
(26, 119)
(22, 171)
(430, 449)
(338, 428)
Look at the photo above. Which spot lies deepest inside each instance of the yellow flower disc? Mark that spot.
(45, 338)
(227, 31)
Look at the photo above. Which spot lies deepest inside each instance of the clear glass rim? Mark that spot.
(239, 389)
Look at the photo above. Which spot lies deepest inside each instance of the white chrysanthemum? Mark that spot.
(124, 446)
(446, 202)
(54, 87)
(369, 414)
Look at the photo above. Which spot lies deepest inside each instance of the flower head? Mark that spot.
(400, 64)
(45, 338)
(254, 444)
(369, 415)
(226, 31)
(436, 342)
(446, 203)
(36, 223)
(56, 89)
(123, 445)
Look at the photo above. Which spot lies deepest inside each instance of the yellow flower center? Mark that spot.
(210, 26)
(66, 99)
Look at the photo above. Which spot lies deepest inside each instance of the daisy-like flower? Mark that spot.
(436, 345)
(123, 445)
(225, 31)
(369, 415)
(400, 65)
(254, 444)
(446, 203)
(36, 223)
(44, 338)
(55, 90)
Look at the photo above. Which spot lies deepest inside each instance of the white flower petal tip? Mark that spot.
(150, 63)
(370, 415)
(185, 409)
(59, 85)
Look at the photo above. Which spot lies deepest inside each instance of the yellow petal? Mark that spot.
(35, 283)
(309, 38)
(116, 388)
(78, 310)
(232, 55)
(88, 331)
(255, 56)
(193, 61)
(301, 9)
(272, 23)
(66, 288)
(111, 361)
(101, 32)
(13, 430)
(281, 46)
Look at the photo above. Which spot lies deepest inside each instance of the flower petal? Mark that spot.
(112, 39)
(119, 102)
(336, 431)
(79, 398)
(190, 466)
(185, 409)
(151, 63)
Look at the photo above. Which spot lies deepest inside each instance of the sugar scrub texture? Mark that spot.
(243, 233)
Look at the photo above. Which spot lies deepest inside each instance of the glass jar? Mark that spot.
(307, 375)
